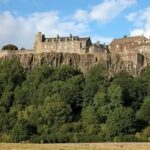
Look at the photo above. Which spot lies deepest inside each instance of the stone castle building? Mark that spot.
(135, 49)
(131, 50)
(71, 44)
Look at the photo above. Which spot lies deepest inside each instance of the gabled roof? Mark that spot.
(128, 39)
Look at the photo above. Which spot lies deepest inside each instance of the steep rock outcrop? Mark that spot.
(83, 62)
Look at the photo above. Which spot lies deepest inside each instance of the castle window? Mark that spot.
(81, 45)
(95, 59)
(117, 46)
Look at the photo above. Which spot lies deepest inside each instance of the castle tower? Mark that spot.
(38, 42)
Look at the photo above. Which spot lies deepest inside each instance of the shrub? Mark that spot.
(9, 47)
(126, 138)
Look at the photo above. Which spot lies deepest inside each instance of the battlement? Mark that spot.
(5, 53)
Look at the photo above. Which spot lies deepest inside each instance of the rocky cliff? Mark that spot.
(82, 62)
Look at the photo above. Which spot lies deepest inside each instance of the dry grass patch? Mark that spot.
(88, 146)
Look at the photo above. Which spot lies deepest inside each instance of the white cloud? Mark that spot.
(81, 15)
(109, 9)
(105, 11)
(141, 22)
(21, 30)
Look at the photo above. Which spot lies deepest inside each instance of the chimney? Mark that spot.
(125, 36)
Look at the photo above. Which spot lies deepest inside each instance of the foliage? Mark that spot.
(63, 105)
(9, 47)
(96, 78)
(120, 122)
(144, 112)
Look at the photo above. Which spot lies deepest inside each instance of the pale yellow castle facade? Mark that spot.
(70, 44)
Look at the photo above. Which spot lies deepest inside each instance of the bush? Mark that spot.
(9, 47)
(84, 138)
(144, 135)
(126, 138)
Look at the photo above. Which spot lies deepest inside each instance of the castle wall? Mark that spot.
(64, 46)
(61, 44)
(5, 53)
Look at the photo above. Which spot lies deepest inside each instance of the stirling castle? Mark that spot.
(130, 50)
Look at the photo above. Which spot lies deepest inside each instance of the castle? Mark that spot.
(135, 50)
(71, 44)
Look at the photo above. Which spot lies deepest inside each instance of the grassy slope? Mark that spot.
(101, 146)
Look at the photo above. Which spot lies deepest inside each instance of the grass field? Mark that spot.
(94, 146)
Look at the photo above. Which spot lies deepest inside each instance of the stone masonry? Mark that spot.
(128, 53)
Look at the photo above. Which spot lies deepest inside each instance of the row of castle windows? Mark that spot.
(140, 42)
(65, 47)
(61, 40)
(117, 46)
(141, 50)
(50, 46)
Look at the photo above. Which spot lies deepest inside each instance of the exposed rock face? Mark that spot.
(116, 65)
(82, 62)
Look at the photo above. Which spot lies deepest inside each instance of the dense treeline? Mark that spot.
(63, 105)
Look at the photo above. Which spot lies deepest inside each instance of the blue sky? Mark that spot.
(102, 20)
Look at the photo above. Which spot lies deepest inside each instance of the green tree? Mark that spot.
(120, 122)
(115, 96)
(28, 92)
(101, 104)
(64, 72)
(9, 47)
(96, 78)
(11, 75)
(134, 89)
(55, 111)
(72, 93)
(89, 120)
(22, 131)
(144, 112)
